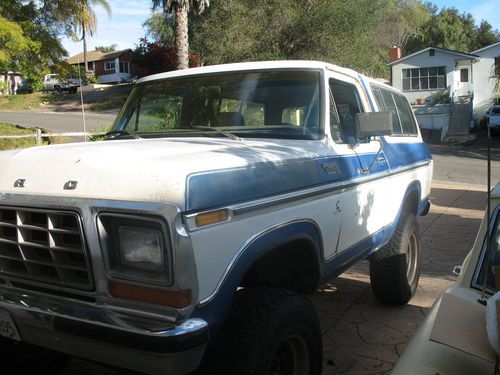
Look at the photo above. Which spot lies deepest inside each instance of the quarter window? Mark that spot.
(416, 79)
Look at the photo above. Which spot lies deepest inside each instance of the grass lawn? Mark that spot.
(12, 143)
(112, 101)
(38, 100)
(33, 101)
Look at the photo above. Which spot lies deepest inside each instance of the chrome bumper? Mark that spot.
(100, 333)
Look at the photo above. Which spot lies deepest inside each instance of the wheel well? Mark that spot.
(293, 266)
(411, 202)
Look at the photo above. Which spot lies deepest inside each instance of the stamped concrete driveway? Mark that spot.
(362, 336)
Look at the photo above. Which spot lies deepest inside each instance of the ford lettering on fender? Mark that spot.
(187, 238)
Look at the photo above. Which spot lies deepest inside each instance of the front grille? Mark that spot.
(44, 246)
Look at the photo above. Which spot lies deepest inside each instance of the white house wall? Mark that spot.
(483, 80)
(424, 60)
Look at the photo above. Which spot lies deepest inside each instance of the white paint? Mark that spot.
(484, 80)
(452, 62)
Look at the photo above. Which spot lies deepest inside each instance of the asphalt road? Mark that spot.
(55, 122)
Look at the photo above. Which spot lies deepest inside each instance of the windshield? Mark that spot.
(279, 104)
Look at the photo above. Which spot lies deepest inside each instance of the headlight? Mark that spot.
(141, 248)
(135, 248)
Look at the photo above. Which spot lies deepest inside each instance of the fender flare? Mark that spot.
(215, 309)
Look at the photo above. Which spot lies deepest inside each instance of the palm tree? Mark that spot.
(181, 9)
(85, 21)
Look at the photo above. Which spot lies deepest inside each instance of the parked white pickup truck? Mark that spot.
(53, 82)
(189, 235)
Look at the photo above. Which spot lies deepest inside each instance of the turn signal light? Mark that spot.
(213, 217)
(172, 298)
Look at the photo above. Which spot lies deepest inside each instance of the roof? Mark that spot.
(248, 66)
(96, 56)
(487, 47)
(452, 52)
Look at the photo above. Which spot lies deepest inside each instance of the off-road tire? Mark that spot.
(268, 332)
(395, 269)
(31, 358)
(57, 88)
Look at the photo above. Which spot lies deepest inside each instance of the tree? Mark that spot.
(181, 9)
(338, 31)
(85, 22)
(105, 49)
(160, 28)
(486, 35)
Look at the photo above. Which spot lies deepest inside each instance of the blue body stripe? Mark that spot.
(261, 180)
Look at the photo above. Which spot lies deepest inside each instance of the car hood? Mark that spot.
(136, 170)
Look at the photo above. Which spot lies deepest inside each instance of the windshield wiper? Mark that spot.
(116, 133)
(220, 131)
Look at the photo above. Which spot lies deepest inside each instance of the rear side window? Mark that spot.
(405, 115)
(403, 122)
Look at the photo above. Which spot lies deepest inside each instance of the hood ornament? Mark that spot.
(20, 183)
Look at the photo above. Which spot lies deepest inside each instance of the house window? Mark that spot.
(464, 75)
(497, 66)
(109, 65)
(433, 78)
(124, 67)
(90, 65)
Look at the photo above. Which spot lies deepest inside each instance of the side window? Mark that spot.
(390, 106)
(405, 115)
(346, 103)
(236, 112)
(293, 116)
(494, 261)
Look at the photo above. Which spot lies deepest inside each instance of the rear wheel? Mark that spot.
(395, 269)
(269, 332)
(57, 88)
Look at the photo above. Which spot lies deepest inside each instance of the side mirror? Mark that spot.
(373, 124)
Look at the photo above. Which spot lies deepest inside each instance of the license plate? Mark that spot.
(8, 327)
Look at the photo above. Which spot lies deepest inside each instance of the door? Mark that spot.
(362, 163)
(462, 80)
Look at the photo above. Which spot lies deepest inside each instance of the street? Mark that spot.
(57, 122)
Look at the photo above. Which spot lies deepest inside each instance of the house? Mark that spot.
(109, 67)
(485, 71)
(9, 82)
(449, 90)
(431, 70)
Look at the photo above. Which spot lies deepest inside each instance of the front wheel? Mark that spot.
(269, 332)
(395, 269)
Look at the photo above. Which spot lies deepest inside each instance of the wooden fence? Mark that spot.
(38, 135)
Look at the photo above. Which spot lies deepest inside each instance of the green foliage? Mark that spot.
(160, 28)
(13, 143)
(331, 30)
(105, 49)
(452, 30)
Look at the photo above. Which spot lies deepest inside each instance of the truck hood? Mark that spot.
(154, 170)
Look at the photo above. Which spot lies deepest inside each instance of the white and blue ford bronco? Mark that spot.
(186, 239)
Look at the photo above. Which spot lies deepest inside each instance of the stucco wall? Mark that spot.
(484, 81)
(424, 60)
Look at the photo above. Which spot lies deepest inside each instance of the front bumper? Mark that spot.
(106, 335)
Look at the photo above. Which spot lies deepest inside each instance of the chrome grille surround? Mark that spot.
(44, 246)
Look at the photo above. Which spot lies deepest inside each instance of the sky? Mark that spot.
(124, 26)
